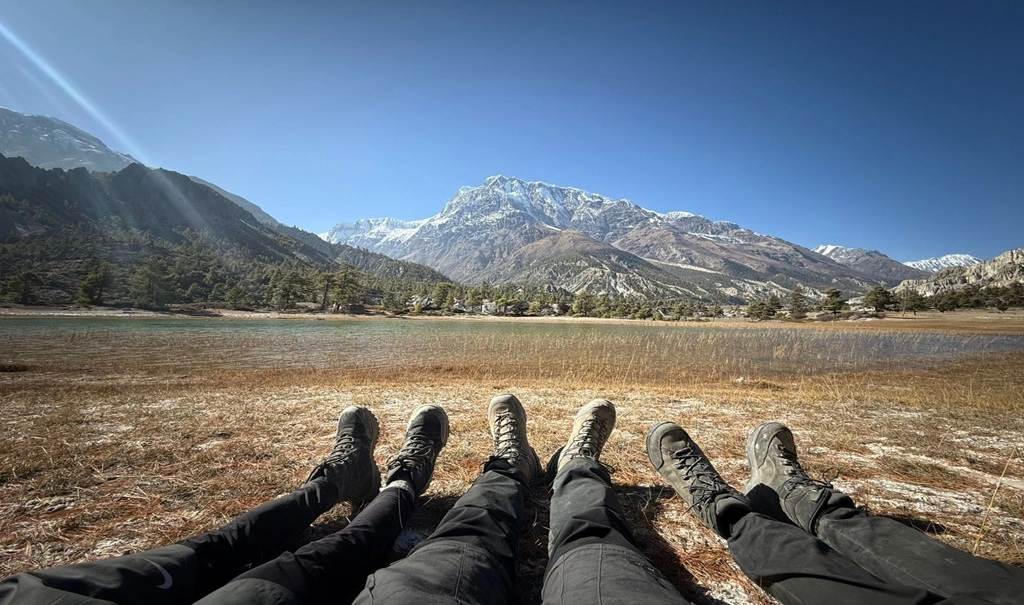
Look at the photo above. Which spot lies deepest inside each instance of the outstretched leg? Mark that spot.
(334, 569)
(184, 572)
(470, 557)
(593, 555)
(885, 547)
(787, 562)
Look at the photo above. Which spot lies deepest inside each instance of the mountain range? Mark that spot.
(505, 230)
(508, 229)
(873, 263)
(939, 263)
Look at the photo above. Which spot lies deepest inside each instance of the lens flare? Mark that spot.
(69, 89)
(173, 192)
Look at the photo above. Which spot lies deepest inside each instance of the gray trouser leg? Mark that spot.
(903, 555)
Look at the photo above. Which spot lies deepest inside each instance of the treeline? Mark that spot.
(1000, 298)
(125, 267)
(83, 264)
(878, 298)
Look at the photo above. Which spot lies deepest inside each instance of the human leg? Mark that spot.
(786, 561)
(188, 570)
(887, 548)
(593, 555)
(334, 569)
(470, 557)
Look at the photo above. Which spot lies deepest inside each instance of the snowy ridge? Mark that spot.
(944, 262)
(51, 143)
(502, 198)
(511, 230)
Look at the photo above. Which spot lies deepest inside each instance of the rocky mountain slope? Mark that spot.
(512, 230)
(1003, 270)
(872, 263)
(174, 203)
(248, 206)
(160, 202)
(933, 265)
(51, 143)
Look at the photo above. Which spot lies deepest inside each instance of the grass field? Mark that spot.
(105, 457)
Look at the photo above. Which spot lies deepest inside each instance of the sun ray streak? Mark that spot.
(69, 89)
(174, 193)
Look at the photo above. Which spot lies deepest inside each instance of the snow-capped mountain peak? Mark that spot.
(47, 142)
(830, 249)
(871, 262)
(944, 262)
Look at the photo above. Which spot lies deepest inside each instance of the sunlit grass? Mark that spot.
(120, 441)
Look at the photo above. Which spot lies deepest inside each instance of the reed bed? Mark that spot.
(118, 440)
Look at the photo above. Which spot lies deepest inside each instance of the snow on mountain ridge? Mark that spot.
(944, 262)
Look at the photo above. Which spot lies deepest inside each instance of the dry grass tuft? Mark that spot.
(107, 454)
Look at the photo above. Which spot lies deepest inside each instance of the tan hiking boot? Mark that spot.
(590, 430)
(507, 418)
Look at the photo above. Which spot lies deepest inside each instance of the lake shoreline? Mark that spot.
(968, 321)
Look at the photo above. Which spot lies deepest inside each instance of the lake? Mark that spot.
(645, 351)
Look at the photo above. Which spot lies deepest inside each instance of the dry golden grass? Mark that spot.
(102, 457)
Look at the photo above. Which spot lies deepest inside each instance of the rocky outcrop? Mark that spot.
(1003, 270)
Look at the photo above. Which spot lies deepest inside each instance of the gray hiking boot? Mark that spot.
(350, 465)
(425, 435)
(590, 430)
(507, 418)
(682, 463)
(779, 487)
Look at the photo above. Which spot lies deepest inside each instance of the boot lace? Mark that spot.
(414, 454)
(706, 483)
(797, 475)
(343, 449)
(508, 438)
(590, 439)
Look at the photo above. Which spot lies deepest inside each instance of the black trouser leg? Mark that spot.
(259, 535)
(470, 557)
(332, 569)
(593, 556)
(183, 572)
(900, 554)
(798, 569)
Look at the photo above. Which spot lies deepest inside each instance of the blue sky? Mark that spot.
(890, 125)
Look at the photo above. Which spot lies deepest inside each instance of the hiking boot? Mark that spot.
(350, 465)
(426, 434)
(779, 487)
(507, 418)
(682, 463)
(590, 430)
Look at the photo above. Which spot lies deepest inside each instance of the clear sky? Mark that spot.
(890, 125)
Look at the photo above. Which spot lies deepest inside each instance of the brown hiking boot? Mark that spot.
(425, 435)
(779, 487)
(682, 463)
(507, 418)
(350, 465)
(590, 430)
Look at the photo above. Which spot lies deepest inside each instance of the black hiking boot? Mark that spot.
(682, 463)
(590, 430)
(426, 434)
(350, 465)
(779, 487)
(507, 418)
